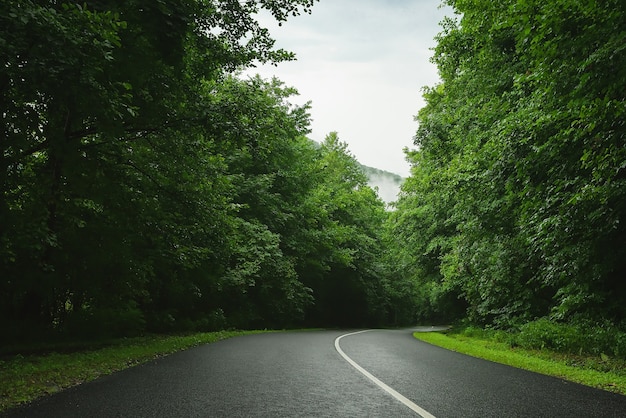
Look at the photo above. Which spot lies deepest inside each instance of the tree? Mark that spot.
(101, 109)
(347, 282)
(518, 163)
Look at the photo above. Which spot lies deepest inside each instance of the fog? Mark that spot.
(388, 184)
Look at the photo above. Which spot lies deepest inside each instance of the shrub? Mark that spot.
(123, 321)
(581, 337)
(544, 333)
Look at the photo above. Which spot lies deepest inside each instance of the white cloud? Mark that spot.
(362, 63)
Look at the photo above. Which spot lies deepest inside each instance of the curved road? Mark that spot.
(375, 373)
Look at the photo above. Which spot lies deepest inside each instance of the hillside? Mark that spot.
(388, 184)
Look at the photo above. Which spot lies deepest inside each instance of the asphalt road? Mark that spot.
(314, 374)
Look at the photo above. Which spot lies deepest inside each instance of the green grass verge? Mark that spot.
(603, 373)
(24, 378)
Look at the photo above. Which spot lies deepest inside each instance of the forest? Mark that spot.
(147, 187)
(515, 207)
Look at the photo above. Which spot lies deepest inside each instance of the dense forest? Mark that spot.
(516, 206)
(147, 187)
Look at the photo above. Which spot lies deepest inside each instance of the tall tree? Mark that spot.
(518, 177)
(101, 120)
(348, 283)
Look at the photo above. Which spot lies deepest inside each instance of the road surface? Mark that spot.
(376, 373)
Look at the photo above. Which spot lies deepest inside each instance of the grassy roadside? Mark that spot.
(24, 378)
(602, 373)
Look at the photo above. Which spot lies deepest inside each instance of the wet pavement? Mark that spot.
(301, 374)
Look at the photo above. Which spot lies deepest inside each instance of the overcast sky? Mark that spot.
(362, 64)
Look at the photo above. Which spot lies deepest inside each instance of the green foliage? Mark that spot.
(107, 322)
(346, 221)
(145, 187)
(598, 339)
(516, 198)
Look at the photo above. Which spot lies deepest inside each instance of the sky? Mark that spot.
(362, 64)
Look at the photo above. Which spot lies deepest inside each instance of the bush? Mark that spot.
(123, 321)
(582, 337)
(544, 333)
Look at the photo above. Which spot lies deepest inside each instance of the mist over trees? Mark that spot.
(145, 187)
(385, 183)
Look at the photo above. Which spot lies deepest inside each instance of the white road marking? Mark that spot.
(407, 402)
